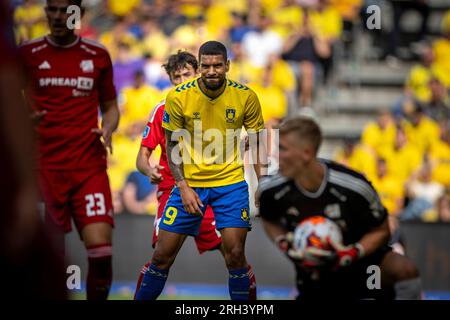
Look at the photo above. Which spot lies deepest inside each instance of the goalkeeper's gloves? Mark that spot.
(308, 258)
(284, 241)
(346, 255)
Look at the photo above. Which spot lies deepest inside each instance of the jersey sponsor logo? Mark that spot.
(230, 115)
(244, 215)
(45, 66)
(196, 115)
(166, 117)
(76, 93)
(81, 83)
(87, 66)
(146, 132)
(85, 83)
(333, 211)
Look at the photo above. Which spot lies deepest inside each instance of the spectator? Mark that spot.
(136, 101)
(154, 75)
(420, 75)
(30, 20)
(239, 28)
(420, 129)
(259, 45)
(441, 50)
(380, 134)
(438, 108)
(358, 157)
(121, 8)
(286, 18)
(390, 188)
(273, 100)
(327, 25)
(125, 67)
(242, 69)
(139, 195)
(403, 158)
(423, 193)
(153, 34)
(304, 48)
(120, 38)
(439, 156)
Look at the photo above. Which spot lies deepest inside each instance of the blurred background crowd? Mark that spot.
(296, 55)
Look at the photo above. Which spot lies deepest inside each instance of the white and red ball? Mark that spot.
(316, 232)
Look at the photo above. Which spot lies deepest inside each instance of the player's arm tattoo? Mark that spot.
(175, 166)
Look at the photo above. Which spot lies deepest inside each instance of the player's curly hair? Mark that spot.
(180, 60)
(305, 127)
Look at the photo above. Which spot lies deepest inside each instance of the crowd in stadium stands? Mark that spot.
(406, 151)
(282, 49)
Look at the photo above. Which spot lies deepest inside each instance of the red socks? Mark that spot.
(141, 276)
(100, 272)
(252, 293)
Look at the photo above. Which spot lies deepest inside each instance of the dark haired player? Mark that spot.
(70, 78)
(307, 186)
(180, 67)
(216, 103)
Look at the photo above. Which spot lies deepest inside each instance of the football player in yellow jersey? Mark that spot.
(208, 113)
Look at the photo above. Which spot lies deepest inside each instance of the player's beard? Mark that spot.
(214, 87)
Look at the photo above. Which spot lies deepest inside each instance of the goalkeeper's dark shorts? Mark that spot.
(357, 281)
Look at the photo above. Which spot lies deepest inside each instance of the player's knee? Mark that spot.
(408, 271)
(235, 258)
(162, 260)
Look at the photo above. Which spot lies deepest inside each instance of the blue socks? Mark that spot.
(152, 284)
(239, 284)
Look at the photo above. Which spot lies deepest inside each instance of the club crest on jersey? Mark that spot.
(230, 115)
(146, 132)
(166, 117)
(196, 115)
(333, 211)
(244, 215)
(87, 66)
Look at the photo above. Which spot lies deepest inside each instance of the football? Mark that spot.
(313, 233)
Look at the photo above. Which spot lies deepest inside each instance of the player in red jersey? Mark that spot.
(71, 78)
(28, 259)
(180, 67)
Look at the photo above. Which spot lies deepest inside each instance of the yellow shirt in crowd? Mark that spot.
(136, 103)
(376, 138)
(391, 192)
(440, 159)
(34, 14)
(403, 162)
(362, 160)
(422, 135)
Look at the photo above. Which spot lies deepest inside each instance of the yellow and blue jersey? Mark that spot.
(209, 121)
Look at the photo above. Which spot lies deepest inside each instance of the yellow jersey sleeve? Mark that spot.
(253, 118)
(173, 118)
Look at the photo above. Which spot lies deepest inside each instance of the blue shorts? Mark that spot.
(229, 204)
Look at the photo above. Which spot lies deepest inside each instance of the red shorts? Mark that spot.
(208, 237)
(84, 195)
